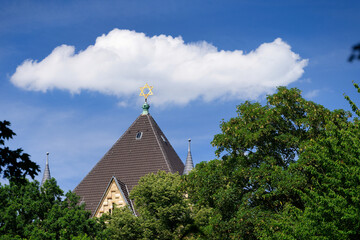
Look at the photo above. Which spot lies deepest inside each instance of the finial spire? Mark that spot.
(146, 91)
(46, 175)
(189, 165)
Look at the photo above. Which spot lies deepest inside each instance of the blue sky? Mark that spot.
(75, 102)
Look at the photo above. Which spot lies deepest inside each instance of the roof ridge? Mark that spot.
(107, 152)
(131, 203)
(158, 142)
(126, 197)
(102, 197)
(168, 144)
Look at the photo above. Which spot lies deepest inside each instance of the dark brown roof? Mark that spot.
(129, 159)
(125, 191)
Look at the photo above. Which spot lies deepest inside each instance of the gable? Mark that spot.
(112, 197)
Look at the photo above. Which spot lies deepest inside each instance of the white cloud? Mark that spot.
(122, 61)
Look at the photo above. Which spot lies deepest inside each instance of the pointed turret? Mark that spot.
(46, 175)
(189, 165)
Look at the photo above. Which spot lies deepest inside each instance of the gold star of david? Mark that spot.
(146, 94)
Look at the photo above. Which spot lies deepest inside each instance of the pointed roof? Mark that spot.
(142, 149)
(46, 175)
(189, 165)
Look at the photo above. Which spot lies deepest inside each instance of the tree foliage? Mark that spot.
(355, 53)
(124, 225)
(14, 164)
(288, 170)
(31, 212)
(353, 106)
(162, 208)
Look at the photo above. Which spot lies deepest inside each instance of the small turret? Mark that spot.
(46, 175)
(189, 165)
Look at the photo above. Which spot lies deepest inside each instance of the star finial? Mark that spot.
(146, 94)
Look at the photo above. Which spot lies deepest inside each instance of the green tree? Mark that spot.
(353, 106)
(288, 170)
(163, 210)
(330, 167)
(124, 225)
(31, 212)
(14, 164)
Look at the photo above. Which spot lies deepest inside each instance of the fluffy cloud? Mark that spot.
(122, 61)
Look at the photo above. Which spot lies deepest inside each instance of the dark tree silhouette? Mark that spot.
(355, 54)
(14, 164)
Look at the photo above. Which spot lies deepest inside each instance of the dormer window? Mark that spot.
(138, 135)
